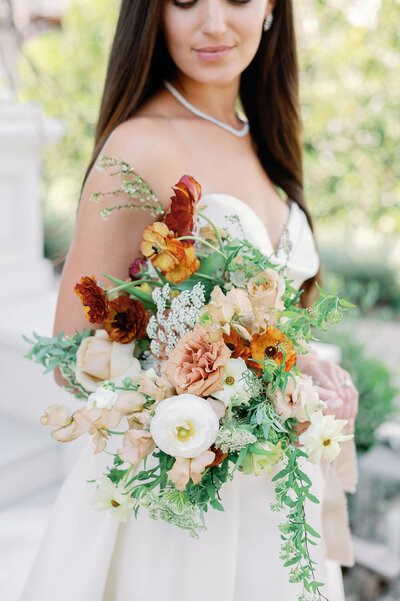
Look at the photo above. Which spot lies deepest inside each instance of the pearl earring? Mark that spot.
(268, 22)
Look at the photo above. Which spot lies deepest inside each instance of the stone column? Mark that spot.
(24, 131)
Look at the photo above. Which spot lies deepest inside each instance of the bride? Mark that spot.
(176, 71)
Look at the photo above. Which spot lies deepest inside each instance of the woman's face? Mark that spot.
(213, 41)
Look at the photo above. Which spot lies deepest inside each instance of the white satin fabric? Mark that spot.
(88, 556)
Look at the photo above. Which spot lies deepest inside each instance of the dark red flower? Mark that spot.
(127, 320)
(183, 212)
(93, 298)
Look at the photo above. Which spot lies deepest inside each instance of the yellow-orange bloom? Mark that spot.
(164, 252)
(239, 346)
(273, 344)
(186, 267)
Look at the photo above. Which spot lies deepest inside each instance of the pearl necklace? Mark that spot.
(237, 132)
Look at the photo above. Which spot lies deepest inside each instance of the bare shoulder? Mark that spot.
(109, 246)
(151, 146)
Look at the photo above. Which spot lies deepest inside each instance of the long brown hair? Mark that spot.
(269, 91)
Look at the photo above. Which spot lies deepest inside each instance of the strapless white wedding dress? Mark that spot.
(87, 555)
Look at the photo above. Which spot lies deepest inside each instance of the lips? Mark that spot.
(213, 48)
(213, 53)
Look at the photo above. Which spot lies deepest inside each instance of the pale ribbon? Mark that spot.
(340, 477)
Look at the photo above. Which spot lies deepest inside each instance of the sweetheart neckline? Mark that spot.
(243, 203)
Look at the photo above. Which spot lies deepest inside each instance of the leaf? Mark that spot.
(217, 505)
(311, 531)
(211, 490)
(303, 476)
(211, 264)
(280, 474)
(315, 585)
(345, 303)
(312, 498)
(239, 460)
(292, 561)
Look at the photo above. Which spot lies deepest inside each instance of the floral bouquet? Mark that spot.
(192, 374)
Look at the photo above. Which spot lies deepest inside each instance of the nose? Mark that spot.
(214, 20)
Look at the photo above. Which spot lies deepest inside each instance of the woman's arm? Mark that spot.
(109, 247)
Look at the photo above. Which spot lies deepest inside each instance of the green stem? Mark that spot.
(135, 283)
(205, 244)
(114, 432)
(204, 276)
(210, 221)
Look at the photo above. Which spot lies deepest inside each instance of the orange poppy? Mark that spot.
(273, 344)
(186, 267)
(164, 252)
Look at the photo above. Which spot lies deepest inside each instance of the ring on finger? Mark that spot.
(346, 383)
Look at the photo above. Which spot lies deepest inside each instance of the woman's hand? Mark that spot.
(334, 384)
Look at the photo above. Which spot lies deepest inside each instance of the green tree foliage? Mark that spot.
(351, 101)
(64, 70)
(350, 97)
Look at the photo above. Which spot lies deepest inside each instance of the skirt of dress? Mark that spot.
(86, 555)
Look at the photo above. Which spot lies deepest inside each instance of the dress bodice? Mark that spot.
(302, 259)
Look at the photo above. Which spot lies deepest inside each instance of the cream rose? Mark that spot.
(265, 290)
(184, 426)
(99, 358)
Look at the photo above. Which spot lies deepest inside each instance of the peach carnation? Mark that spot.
(196, 363)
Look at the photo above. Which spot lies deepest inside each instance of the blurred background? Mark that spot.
(53, 56)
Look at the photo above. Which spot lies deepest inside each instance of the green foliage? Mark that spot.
(64, 70)
(373, 380)
(59, 352)
(292, 490)
(350, 97)
(368, 280)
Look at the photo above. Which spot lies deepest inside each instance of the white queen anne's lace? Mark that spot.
(169, 324)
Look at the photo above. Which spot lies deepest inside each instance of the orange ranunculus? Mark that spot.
(186, 267)
(238, 345)
(183, 212)
(164, 252)
(93, 298)
(273, 344)
(127, 320)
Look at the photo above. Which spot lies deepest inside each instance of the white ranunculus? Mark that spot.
(109, 496)
(103, 398)
(321, 440)
(184, 426)
(234, 384)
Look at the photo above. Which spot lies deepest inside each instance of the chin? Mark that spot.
(214, 76)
